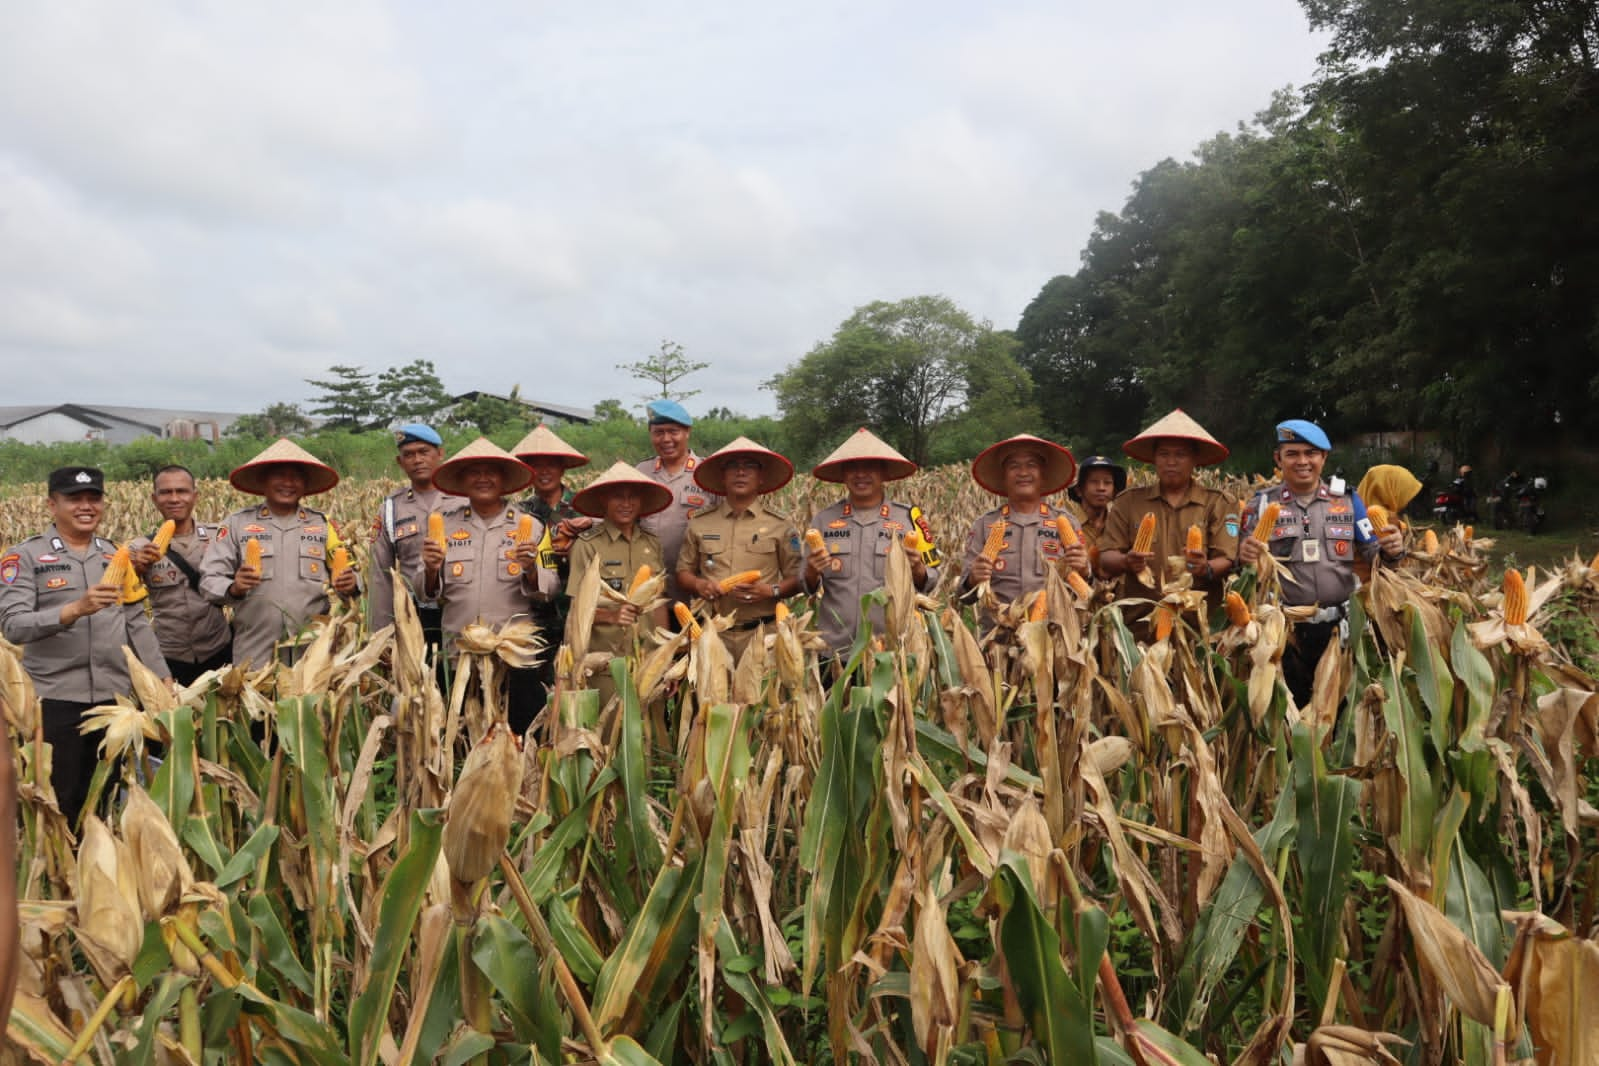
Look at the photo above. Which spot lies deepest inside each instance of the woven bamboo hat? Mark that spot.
(543, 442)
(1060, 468)
(863, 446)
(1177, 426)
(251, 477)
(653, 495)
(776, 471)
(447, 478)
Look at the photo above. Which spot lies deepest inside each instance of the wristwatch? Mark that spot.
(777, 592)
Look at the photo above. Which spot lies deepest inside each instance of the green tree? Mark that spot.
(492, 415)
(666, 368)
(276, 420)
(610, 410)
(906, 369)
(410, 393)
(348, 400)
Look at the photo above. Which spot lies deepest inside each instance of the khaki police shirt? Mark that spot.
(1032, 544)
(619, 559)
(719, 544)
(82, 662)
(397, 536)
(480, 580)
(858, 546)
(190, 627)
(669, 525)
(1317, 542)
(294, 576)
(1212, 510)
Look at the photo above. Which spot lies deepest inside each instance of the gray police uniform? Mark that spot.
(294, 575)
(1317, 542)
(480, 581)
(397, 537)
(191, 628)
(670, 524)
(1032, 545)
(858, 546)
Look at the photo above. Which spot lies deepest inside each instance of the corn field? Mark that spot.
(1065, 840)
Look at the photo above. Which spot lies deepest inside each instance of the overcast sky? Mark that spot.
(204, 202)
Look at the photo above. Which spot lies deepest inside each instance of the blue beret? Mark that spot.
(662, 411)
(416, 431)
(1297, 429)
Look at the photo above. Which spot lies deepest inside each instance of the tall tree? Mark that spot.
(348, 399)
(410, 393)
(277, 420)
(666, 368)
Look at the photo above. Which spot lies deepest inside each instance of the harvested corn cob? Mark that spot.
(1067, 531)
(814, 541)
(116, 572)
(163, 536)
(340, 561)
(685, 619)
(1144, 540)
(1078, 585)
(1467, 533)
(252, 553)
(1268, 521)
(780, 612)
(995, 542)
(1040, 608)
(1429, 542)
(1196, 539)
(1379, 517)
(436, 528)
(1515, 598)
(1165, 619)
(524, 528)
(1237, 610)
(639, 578)
(744, 577)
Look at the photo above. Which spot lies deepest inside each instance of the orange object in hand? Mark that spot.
(524, 528)
(252, 553)
(340, 561)
(995, 542)
(1066, 531)
(1268, 521)
(814, 541)
(436, 528)
(1144, 540)
(1196, 539)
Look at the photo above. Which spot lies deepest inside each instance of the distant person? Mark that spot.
(273, 603)
(194, 633)
(673, 466)
(402, 524)
(71, 627)
(1099, 481)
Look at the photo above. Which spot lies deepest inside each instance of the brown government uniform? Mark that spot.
(858, 546)
(190, 628)
(719, 544)
(1212, 510)
(618, 558)
(294, 575)
(402, 525)
(670, 524)
(1032, 544)
(480, 581)
(82, 662)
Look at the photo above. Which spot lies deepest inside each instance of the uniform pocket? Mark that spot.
(841, 561)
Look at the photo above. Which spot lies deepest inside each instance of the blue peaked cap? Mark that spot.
(667, 411)
(416, 431)
(1297, 429)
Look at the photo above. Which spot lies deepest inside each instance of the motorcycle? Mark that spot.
(1449, 505)
(1502, 501)
(1529, 508)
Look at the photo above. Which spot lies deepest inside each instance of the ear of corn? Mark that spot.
(1165, 619)
(1066, 531)
(524, 528)
(252, 553)
(995, 542)
(1268, 521)
(436, 528)
(1040, 608)
(163, 536)
(1237, 610)
(639, 579)
(1515, 598)
(1467, 533)
(814, 541)
(116, 572)
(1379, 517)
(685, 619)
(1081, 587)
(781, 611)
(339, 562)
(1196, 539)
(744, 577)
(1144, 540)
(1429, 542)
(479, 822)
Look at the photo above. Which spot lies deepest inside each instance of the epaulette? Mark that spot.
(593, 531)
(709, 508)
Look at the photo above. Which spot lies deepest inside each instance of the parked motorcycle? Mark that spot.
(1451, 504)
(1529, 504)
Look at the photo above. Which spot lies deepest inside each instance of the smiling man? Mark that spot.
(273, 603)
(673, 466)
(403, 521)
(193, 631)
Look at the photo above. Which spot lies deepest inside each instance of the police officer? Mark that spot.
(740, 533)
(71, 627)
(1025, 470)
(402, 524)
(194, 633)
(1175, 445)
(858, 533)
(484, 572)
(618, 546)
(274, 603)
(1320, 531)
(550, 457)
(673, 466)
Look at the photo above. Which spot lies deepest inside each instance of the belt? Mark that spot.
(765, 619)
(1328, 615)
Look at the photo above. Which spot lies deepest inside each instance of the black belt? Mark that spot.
(753, 623)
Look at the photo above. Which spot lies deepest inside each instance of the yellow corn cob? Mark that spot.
(1075, 581)
(814, 541)
(116, 572)
(436, 528)
(479, 812)
(1429, 542)
(1268, 521)
(639, 578)
(995, 542)
(1040, 608)
(1379, 517)
(685, 619)
(163, 536)
(1515, 598)
(780, 612)
(1165, 619)
(1467, 532)
(1196, 539)
(339, 562)
(1144, 540)
(524, 528)
(1066, 531)
(252, 553)
(1237, 610)
(728, 584)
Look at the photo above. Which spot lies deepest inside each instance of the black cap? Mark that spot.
(67, 480)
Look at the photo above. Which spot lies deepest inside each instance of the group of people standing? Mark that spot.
(467, 550)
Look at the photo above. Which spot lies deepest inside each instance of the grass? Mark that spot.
(1548, 549)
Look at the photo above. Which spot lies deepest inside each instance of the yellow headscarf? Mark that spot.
(1389, 486)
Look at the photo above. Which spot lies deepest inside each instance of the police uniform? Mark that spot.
(397, 537)
(73, 667)
(858, 546)
(193, 632)
(1212, 510)
(1032, 545)
(480, 580)
(670, 525)
(717, 544)
(294, 576)
(618, 558)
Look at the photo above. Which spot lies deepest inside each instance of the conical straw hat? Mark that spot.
(653, 495)
(1060, 468)
(543, 442)
(251, 477)
(447, 478)
(863, 445)
(775, 470)
(1176, 426)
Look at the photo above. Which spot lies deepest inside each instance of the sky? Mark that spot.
(203, 203)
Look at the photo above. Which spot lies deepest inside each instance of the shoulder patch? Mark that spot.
(10, 566)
